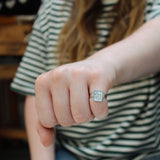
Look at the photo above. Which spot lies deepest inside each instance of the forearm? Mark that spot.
(136, 56)
(37, 150)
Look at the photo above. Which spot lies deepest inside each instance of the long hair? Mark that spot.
(78, 36)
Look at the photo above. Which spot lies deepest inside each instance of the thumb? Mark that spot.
(46, 134)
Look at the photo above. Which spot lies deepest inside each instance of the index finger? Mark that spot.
(44, 103)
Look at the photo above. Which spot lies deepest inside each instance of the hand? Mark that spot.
(63, 94)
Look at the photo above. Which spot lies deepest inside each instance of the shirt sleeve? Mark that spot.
(32, 64)
(40, 54)
(153, 9)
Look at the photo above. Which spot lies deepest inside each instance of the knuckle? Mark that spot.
(79, 71)
(65, 124)
(40, 81)
(66, 121)
(48, 124)
(99, 112)
(95, 74)
(59, 73)
(101, 115)
(47, 120)
(80, 118)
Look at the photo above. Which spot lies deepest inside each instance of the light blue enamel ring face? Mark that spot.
(98, 95)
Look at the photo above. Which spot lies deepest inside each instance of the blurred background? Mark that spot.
(16, 20)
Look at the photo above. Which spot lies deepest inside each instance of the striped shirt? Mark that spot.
(132, 129)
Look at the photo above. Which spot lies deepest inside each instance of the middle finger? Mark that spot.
(79, 99)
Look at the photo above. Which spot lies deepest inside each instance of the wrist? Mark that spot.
(106, 62)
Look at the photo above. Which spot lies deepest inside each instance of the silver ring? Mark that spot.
(98, 95)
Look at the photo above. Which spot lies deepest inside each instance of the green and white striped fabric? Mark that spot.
(132, 129)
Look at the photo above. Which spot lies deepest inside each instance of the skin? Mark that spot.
(63, 94)
(37, 150)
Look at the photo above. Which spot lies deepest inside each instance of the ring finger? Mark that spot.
(98, 101)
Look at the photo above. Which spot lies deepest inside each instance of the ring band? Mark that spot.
(98, 95)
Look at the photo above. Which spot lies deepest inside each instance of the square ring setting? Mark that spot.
(98, 95)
